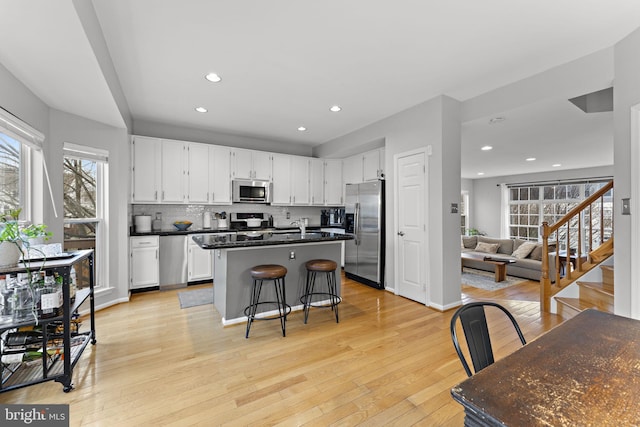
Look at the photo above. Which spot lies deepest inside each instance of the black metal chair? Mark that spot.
(476, 331)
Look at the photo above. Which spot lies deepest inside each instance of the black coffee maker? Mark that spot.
(333, 217)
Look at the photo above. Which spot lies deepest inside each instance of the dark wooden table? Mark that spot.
(584, 372)
(500, 264)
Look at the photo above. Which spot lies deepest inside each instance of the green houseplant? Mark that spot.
(15, 238)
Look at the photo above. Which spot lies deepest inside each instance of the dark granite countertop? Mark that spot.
(175, 232)
(220, 241)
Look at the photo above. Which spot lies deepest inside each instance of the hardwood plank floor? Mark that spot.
(389, 361)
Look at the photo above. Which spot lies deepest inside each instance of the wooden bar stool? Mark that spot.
(275, 274)
(328, 267)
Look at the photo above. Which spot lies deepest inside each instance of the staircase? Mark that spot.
(598, 295)
(588, 225)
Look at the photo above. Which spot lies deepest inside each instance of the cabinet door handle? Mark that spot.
(155, 196)
(400, 233)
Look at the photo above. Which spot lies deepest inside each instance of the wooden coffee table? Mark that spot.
(499, 263)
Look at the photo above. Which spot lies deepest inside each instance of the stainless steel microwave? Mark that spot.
(251, 191)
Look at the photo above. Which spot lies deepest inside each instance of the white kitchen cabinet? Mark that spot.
(281, 193)
(373, 165)
(316, 181)
(198, 172)
(199, 262)
(146, 155)
(144, 256)
(220, 174)
(173, 171)
(300, 180)
(333, 187)
(251, 164)
(352, 169)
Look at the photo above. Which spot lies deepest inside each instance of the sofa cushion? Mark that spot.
(470, 242)
(536, 253)
(506, 245)
(490, 248)
(524, 250)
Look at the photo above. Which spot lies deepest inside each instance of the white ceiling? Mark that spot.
(285, 62)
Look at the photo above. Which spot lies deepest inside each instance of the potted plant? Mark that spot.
(15, 238)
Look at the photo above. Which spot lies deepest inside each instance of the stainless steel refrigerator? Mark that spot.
(364, 217)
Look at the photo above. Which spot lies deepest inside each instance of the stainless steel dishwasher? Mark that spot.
(173, 261)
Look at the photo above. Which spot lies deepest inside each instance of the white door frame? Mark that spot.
(427, 265)
(634, 291)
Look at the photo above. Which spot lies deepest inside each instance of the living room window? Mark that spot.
(532, 204)
(21, 166)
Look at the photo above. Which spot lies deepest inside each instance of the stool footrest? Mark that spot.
(275, 316)
(332, 302)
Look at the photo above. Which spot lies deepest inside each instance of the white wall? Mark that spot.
(487, 198)
(66, 127)
(161, 130)
(435, 123)
(626, 93)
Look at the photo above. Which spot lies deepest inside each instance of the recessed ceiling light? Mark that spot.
(302, 128)
(530, 159)
(201, 110)
(556, 165)
(480, 173)
(487, 148)
(213, 77)
(335, 108)
(495, 120)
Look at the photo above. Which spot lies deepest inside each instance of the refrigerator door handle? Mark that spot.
(356, 225)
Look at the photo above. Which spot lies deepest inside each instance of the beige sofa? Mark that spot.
(528, 267)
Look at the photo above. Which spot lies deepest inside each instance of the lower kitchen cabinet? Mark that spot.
(199, 261)
(144, 254)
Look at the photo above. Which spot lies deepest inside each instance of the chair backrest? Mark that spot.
(474, 324)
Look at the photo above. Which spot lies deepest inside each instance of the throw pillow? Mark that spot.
(536, 253)
(524, 250)
(470, 242)
(490, 248)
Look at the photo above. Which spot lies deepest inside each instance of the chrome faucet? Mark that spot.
(302, 224)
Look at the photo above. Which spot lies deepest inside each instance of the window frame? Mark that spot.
(100, 157)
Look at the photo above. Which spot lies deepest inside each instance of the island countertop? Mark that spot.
(243, 240)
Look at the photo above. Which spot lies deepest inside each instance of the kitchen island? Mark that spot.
(235, 254)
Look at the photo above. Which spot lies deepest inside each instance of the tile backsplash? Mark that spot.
(193, 213)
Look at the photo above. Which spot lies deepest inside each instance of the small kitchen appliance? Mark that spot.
(251, 191)
(333, 217)
(142, 223)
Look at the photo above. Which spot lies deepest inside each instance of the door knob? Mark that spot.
(400, 233)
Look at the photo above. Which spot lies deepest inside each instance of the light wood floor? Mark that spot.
(388, 362)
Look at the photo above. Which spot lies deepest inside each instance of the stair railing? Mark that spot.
(575, 217)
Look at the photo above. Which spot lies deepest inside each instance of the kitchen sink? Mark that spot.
(296, 236)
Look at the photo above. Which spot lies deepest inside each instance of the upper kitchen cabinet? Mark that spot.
(208, 174)
(281, 193)
(363, 167)
(146, 155)
(220, 175)
(300, 180)
(373, 165)
(250, 164)
(333, 187)
(173, 171)
(352, 169)
(316, 181)
(198, 173)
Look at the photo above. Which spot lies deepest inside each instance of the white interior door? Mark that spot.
(410, 235)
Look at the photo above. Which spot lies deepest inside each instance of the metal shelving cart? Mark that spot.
(57, 336)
